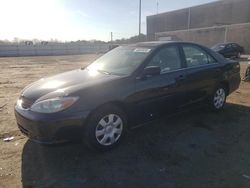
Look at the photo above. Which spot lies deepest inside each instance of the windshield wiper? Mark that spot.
(104, 72)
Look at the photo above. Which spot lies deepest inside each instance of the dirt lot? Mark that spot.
(196, 148)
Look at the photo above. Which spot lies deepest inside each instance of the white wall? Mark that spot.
(51, 49)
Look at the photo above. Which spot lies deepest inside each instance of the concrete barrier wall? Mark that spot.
(51, 49)
(224, 12)
(170, 21)
(238, 33)
(204, 23)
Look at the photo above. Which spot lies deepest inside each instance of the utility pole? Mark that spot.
(157, 7)
(225, 36)
(189, 17)
(111, 37)
(139, 17)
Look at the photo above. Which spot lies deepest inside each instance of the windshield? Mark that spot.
(120, 61)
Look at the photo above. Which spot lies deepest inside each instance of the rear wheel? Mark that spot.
(217, 101)
(105, 128)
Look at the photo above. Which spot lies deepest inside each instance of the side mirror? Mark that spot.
(151, 71)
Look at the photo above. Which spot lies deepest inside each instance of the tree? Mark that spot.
(133, 39)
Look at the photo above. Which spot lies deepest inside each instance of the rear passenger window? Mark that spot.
(195, 56)
(228, 46)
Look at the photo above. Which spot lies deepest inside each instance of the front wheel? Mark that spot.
(218, 100)
(105, 128)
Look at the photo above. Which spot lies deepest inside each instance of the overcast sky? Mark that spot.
(79, 19)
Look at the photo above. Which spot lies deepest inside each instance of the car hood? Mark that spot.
(65, 83)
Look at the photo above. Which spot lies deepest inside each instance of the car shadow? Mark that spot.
(170, 152)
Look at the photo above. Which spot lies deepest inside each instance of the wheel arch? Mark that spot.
(225, 84)
(117, 104)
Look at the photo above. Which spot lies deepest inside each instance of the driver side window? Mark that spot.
(168, 59)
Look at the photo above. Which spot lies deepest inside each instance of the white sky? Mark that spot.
(78, 19)
(23, 19)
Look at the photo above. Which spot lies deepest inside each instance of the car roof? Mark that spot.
(226, 43)
(155, 44)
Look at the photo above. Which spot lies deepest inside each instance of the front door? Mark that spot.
(158, 94)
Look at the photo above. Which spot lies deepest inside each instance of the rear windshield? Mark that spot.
(218, 47)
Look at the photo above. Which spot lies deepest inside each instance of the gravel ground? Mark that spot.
(195, 148)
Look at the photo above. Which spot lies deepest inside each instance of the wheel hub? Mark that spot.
(108, 129)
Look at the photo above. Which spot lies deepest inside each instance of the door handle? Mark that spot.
(217, 70)
(181, 78)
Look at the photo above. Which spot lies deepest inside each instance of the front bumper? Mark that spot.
(50, 128)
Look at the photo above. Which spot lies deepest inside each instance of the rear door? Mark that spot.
(202, 72)
(157, 94)
(229, 51)
(236, 48)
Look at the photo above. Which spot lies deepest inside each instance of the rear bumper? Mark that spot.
(49, 129)
(234, 83)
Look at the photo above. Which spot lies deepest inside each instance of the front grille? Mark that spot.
(26, 103)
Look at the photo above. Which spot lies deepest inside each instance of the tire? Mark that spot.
(218, 99)
(105, 128)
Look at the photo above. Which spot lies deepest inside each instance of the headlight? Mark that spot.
(53, 105)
